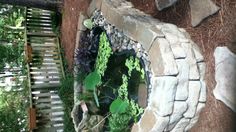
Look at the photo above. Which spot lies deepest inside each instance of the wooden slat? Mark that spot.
(45, 69)
(39, 25)
(45, 44)
(37, 18)
(46, 86)
(42, 34)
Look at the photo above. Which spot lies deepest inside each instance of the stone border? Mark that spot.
(178, 91)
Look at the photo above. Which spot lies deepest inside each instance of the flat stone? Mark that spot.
(75, 115)
(203, 92)
(99, 4)
(145, 36)
(183, 80)
(179, 108)
(161, 4)
(173, 34)
(201, 9)
(150, 117)
(194, 120)
(139, 29)
(225, 76)
(194, 92)
(142, 95)
(162, 58)
(115, 17)
(178, 51)
(151, 121)
(135, 128)
(197, 52)
(162, 95)
(130, 27)
(158, 32)
(161, 124)
(175, 37)
(82, 17)
(181, 125)
(77, 39)
(106, 4)
(194, 72)
(91, 8)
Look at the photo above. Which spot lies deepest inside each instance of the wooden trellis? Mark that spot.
(45, 69)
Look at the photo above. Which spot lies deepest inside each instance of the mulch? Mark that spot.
(217, 30)
(70, 17)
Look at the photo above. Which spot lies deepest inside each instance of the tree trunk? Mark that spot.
(53, 5)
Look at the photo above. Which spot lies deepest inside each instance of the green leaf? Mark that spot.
(118, 106)
(92, 80)
(96, 98)
(88, 23)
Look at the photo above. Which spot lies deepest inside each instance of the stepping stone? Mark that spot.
(201, 9)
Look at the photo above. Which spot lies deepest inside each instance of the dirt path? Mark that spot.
(70, 16)
(218, 30)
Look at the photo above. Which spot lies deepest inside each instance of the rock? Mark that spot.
(162, 58)
(179, 108)
(175, 37)
(135, 128)
(82, 17)
(203, 92)
(194, 92)
(150, 117)
(91, 123)
(181, 125)
(201, 9)
(150, 121)
(197, 53)
(183, 80)
(194, 120)
(75, 115)
(225, 76)
(163, 94)
(142, 95)
(161, 4)
(193, 71)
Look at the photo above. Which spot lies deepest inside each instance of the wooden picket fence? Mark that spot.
(45, 69)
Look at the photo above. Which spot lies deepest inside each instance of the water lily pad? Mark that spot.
(118, 106)
(92, 80)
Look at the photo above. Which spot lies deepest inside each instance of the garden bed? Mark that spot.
(111, 77)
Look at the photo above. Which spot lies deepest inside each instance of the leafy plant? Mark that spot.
(93, 80)
(88, 23)
(134, 64)
(124, 109)
(86, 53)
(104, 53)
(118, 106)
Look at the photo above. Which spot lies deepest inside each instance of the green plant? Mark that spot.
(88, 23)
(66, 93)
(134, 64)
(124, 109)
(13, 110)
(93, 80)
(56, 22)
(104, 53)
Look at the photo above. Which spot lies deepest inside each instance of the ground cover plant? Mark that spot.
(110, 81)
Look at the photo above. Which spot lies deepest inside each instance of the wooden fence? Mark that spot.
(45, 70)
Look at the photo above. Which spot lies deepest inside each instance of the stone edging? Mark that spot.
(178, 70)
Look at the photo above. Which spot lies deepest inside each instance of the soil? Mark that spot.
(70, 17)
(217, 30)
